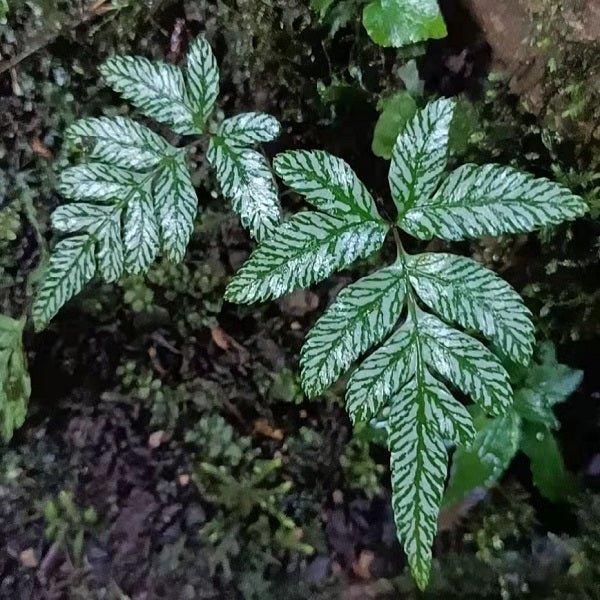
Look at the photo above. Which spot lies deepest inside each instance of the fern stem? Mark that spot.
(411, 298)
(399, 246)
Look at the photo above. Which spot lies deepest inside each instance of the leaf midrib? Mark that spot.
(354, 208)
(159, 93)
(315, 243)
(466, 202)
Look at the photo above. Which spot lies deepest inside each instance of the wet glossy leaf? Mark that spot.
(401, 22)
(302, 251)
(321, 6)
(544, 384)
(420, 154)
(396, 112)
(481, 465)
(156, 88)
(550, 475)
(490, 200)
(202, 78)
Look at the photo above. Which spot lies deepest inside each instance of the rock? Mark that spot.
(583, 21)
(549, 52)
(508, 29)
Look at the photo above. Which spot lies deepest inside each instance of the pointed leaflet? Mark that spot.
(246, 180)
(402, 22)
(328, 183)
(461, 290)
(492, 450)
(141, 239)
(104, 224)
(176, 206)
(382, 374)
(250, 128)
(110, 254)
(550, 475)
(490, 200)
(118, 141)
(15, 386)
(95, 181)
(156, 88)
(420, 154)
(362, 315)
(71, 267)
(418, 462)
(202, 81)
(466, 363)
(304, 250)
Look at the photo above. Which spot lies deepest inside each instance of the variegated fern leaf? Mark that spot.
(421, 356)
(133, 198)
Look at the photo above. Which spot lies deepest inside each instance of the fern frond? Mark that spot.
(202, 81)
(403, 382)
(462, 291)
(118, 141)
(420, 154)
(135, 199)
(362, 315)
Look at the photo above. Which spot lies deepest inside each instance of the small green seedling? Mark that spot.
(527, 426)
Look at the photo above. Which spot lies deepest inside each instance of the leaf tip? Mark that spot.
(421, 572)
(232, 293)
(39, 321)
(107, 67)
(310, 386)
